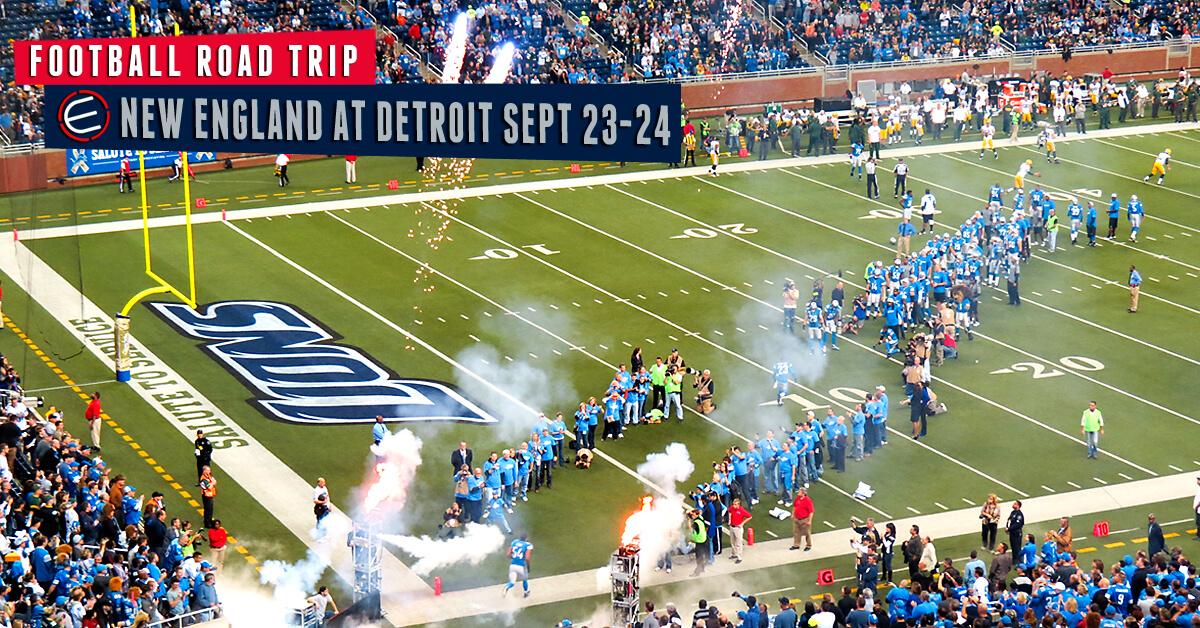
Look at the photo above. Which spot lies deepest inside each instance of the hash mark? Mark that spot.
(1099, 480)
(661, 293)
(969, 502)
(1124, 476)
(576, 304)
(441, 319)
(704, 288)
(1175, 468)
(553, 306)
(684, 291)
(464, 317)
(718, 332)
(1076, 289)
(1056, 291)
(598, 301)
(530, 308)
(1073, 484)
(652, 342)
(642, 297)
(626, 344)
(671, 337)
(1173, 277)
(1048, 489)
(940, 505)
(740, 330)
(474, 337)
(509, 359)
(556, 352)
(914, 510)
(1036, 293)
(602, 346)
(533, 355)
(1097, 286)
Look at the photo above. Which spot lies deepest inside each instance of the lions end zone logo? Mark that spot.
(83, 115)
(300, 375)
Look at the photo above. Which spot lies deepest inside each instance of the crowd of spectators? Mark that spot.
(81, 546)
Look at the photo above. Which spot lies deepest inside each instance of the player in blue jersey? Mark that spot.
(1091, 223)
(856, 160)
(996, 194)
(1134, 212)
(781, 374)
(1075, 217)
(812, 321)
(518, 568)
(1114, 214)
(833, 314)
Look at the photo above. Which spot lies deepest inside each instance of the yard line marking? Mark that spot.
(886, 248)
(652, 342)
(856, 343)
(1175, 468)
(626, 344)
(768, 282)
(412, 338)
(740, 330)
(1050, 490)
(1168, 236)
(642, 297)
(719, 347)
(418, 322)
(1073, 484)
(464, 317)
(1099, 480)
(968, 501)
(1173, 277)
(533, 355)
(1155, 280)
(1152, 238)
(705, 289)
(1110, 241)
(913, 510)
(441, 319)
(718, 332)
(1076, 289)
(1036, 293)
(576, 304)
(553, 306)
(474, 337)
(598, 301)
(509, 358)
(763, 327)
(671, 337)
(602, 346)
(1193, 275)
(772, 534)
(1124, 476)
(556, 352)
(940, 505)
(1098, 287)
(530, 308)
(1056, 291)
(661, 293)
(829, 524)
(1053, 262)
(628, 303)
(487, 314)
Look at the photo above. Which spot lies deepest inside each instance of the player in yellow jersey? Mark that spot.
(989, 139)
(1162, 163)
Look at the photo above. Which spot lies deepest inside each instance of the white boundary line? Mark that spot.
(540, 185)
(271, 482)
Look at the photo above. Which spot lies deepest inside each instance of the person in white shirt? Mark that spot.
(873, 135)
(901, 172)
(281, 165)
(928, 209)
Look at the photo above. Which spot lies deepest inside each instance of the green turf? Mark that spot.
(619, 276)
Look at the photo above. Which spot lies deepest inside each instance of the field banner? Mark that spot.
(623, 122)
(85, 161)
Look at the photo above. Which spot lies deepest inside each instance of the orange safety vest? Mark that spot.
(208, 487)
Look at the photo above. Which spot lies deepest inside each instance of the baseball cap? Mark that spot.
(1111, 610)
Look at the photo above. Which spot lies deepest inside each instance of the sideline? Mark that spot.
(246, 461)
(118, 226)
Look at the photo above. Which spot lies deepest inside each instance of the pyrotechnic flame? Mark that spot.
(638, 522)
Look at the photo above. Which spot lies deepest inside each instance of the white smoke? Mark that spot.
(476, 543)
(660, 527)
(540, 386)
(386, 487)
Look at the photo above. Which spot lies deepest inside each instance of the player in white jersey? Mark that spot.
(989, 141)
(1162, 163)
(714, 155)
(1023, 171)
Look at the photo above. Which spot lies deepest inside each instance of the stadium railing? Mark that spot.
(202, 618)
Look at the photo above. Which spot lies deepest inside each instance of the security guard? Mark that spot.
(203, 453)
(208, 494)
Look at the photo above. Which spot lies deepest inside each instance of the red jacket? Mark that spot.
(93, 410)
(803, 507)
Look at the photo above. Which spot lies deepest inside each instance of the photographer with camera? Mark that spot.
(703, 383)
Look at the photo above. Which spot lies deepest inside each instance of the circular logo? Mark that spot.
(83, 115)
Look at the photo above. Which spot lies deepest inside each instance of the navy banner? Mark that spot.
(626, 122)
(82, 162)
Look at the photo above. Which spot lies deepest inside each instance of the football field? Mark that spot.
(525, 293)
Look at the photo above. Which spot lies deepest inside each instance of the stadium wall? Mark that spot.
(802, 88)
